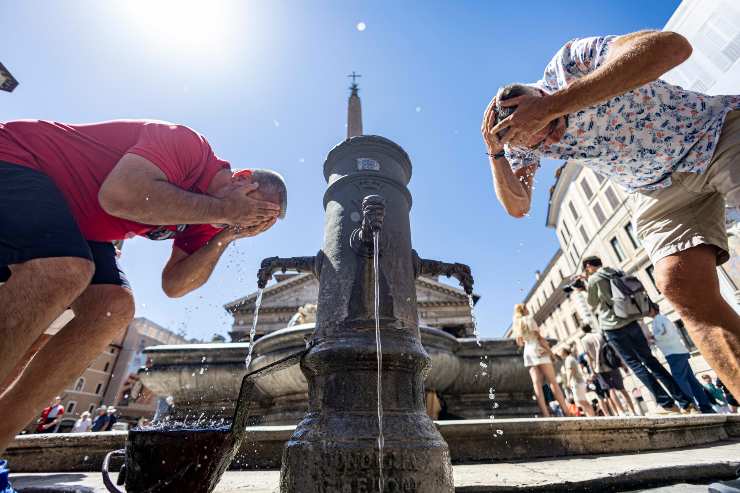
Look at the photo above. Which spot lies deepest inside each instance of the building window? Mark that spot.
(631, 235)
(98, 387)
(599, 213)
(614, 242)
(105, 368)
(583, 234)
(599, 177)
(719, 41)
(91, 408)
(587, 189)
(566, 231)
(80, 384)
(574, 258)
(576, 320)
(650, 271)
(70, 407)
(573, 211)
(611, 196)
(552, 285)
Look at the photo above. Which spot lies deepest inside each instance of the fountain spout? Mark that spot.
(434, 268)
(373, 215)
(271, 265)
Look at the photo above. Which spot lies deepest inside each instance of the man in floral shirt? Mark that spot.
(600, 104)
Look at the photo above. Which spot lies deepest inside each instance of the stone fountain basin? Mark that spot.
(205, 378)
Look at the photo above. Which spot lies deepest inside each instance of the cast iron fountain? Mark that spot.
(335, 448)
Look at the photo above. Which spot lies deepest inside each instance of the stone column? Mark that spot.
(334, 448)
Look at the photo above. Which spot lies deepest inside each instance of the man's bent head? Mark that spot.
(515, 90)
(272, 188)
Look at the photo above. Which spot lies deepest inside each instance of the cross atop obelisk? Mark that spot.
(354, 109)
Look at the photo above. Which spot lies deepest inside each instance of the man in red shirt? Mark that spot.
(66, 193)
(50, 416)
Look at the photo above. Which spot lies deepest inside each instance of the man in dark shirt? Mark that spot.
(67, 192)
(100, 423)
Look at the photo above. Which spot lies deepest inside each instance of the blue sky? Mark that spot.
(266, 83)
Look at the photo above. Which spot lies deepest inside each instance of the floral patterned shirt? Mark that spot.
(637, 139)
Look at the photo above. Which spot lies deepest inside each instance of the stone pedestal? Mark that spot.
(334, 448)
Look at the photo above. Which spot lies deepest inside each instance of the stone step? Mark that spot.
(623, 472)
(470, 441)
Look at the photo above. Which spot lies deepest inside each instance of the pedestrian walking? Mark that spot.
(83, 424)
(538, 358)
(625, 335)
(575, 380)
(51, 416)
(668, 339)
(607, 369)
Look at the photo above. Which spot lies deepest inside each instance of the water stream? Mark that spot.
(471, 302)
(253, 330)
(379, 350)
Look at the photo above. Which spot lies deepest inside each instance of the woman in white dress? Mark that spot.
(537, 358)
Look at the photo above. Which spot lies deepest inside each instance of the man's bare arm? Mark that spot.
(513, 189)
(138, 190)
(633, 60)
(185, 273)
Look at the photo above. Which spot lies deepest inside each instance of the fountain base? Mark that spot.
(312, 465)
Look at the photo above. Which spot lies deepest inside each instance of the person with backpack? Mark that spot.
(620, 301)
(606, 364)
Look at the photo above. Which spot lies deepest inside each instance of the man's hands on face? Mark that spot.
(238, 231)
(246, 212)
(526, 125)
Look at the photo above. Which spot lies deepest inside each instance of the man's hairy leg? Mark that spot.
(37, 292)
(102, 312)
(689, 281)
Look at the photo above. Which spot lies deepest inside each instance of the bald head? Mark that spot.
(272, 188)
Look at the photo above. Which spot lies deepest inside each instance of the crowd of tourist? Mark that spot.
(622, 344)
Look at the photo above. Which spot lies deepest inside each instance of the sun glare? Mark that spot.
(189, 24)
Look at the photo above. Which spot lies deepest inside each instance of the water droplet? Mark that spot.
(361, 26)
(418, 109)
(107, 314)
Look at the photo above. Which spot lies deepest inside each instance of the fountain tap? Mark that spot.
(373, 215)
(271, 265)
(434, 268)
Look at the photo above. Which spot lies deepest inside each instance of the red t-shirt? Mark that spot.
(78, 158)
(48, 415)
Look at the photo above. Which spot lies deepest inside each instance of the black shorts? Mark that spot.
(612, 380)
(35, 222)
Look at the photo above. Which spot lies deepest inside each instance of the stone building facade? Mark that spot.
(440, 305)
(112, 378)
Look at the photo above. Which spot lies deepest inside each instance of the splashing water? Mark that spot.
(253, 330)
(379, 349)
(471, 303)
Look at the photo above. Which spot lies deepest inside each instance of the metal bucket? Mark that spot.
(186, 459)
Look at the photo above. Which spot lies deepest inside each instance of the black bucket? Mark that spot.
(183, 459)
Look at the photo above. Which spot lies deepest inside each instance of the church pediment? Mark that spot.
(300, 289)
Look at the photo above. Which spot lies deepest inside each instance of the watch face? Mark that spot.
(7, 81)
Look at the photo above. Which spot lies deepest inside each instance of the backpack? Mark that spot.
(629, 298)
(608, 355)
